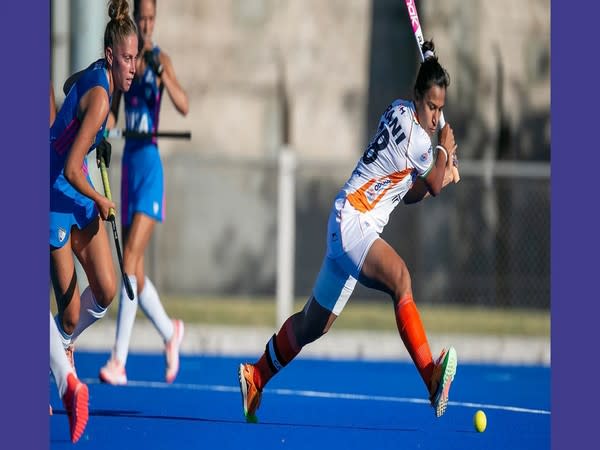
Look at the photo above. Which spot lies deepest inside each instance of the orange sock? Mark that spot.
(413, 335)
(279, 351)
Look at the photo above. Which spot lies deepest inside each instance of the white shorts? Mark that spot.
(350, 235)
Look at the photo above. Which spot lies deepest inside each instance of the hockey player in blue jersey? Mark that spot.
(142, 195)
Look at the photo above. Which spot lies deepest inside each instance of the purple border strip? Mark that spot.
(575, 223)
(25, 81)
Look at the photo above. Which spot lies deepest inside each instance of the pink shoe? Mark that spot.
(172, 351)
(75, 400)
(113, 372)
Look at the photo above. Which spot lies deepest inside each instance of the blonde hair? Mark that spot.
(120, 25)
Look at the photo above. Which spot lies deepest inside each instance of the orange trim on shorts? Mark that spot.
(358, 199)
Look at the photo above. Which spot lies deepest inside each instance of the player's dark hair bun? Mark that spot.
(430, 72)
(118, 10)
(428, 49)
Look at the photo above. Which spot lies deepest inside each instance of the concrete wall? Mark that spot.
(232, 56)
(340, 63)
(343, 61)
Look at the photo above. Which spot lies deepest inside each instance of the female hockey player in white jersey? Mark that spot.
(400, 163)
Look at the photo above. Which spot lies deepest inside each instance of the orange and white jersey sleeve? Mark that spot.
(400, 151)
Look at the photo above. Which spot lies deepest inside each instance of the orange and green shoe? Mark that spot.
(441, 380)
(251, 395)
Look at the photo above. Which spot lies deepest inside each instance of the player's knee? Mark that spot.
(106, 293)
(69, 322)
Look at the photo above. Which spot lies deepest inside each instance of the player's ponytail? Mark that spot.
(431, 72)
(120, 25)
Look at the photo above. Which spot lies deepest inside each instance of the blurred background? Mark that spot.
(308, 80)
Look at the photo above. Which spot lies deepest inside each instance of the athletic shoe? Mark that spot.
(75, 400)
(251, 395)
(443, 375)
(172, 351)
(113, 372)
(70, 352)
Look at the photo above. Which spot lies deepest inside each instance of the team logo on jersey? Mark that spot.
(375, 190)
(62, 233)
(155, 207)
(425, 156)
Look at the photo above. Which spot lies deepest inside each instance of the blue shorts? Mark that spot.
(68, 207)
(142, 184)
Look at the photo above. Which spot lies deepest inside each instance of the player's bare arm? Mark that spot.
(420, 191)
(93, 109)
(422, 186)
(445, 150)
(176, 92)
(417, 192)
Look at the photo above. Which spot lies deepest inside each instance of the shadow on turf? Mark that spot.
(133, 414)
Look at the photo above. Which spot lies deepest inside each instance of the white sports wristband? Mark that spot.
(439, 147)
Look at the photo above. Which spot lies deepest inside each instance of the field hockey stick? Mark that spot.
(113, 222)
(121, 134)
(418, 32)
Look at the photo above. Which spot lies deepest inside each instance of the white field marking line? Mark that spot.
(318, 394)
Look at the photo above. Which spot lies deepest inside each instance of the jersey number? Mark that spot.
(382, 139)
(379, 143)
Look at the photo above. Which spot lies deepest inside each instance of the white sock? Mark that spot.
(65, 338)
(125, 319)
(90, 311)
(151, 305)
(59, 363)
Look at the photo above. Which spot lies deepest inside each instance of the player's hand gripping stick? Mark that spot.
(111, 218)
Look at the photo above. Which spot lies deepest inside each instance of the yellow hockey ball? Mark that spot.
(480, 421)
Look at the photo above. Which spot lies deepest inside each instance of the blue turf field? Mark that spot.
(310, 404)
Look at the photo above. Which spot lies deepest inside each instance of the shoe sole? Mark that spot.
(243, 388)
(80, 411)
(448, 371)
(108, 380)
(171, 378)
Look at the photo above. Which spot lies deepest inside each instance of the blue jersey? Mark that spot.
(142, 180)
(67, 123)
(68, 207)
(142, 106)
